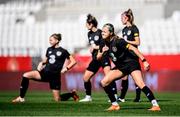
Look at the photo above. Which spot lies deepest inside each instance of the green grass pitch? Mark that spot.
(41, 104)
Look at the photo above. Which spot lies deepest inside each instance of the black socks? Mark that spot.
(138, 92)
(87, 86)
(113, 87)
(109, 92)
(24, 86)
(148, 93)
(124, 85)
(66, 96)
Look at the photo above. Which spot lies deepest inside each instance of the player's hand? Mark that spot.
(91, 49)
(40, 66)
(125, 38)
(105, 48)
(99, 56)
(146, 66)
(64, 70)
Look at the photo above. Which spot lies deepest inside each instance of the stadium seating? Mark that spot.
(160, 37)
(21, 34)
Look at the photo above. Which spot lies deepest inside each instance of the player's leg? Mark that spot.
(25, 83)
(56, 94)
(113, 83)
(138, 94)
(67, 96)
(55, 85)
(124, 88)
(111, 76)
(137, 76)
(89, 73)
(87, 85)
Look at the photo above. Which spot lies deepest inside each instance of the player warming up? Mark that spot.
(96, 43)
(130, 34)
(119, 51)
(49, 70)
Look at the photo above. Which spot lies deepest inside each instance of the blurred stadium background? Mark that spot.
(25, 26)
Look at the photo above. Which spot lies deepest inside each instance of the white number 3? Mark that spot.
(52, 59)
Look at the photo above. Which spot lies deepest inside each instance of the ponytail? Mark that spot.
(130, 16)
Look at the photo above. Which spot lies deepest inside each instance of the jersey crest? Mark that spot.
(114, 49)
(96, 37)
(129, 32)
(58, 53)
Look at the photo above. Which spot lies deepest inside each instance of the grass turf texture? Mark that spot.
(41, 104)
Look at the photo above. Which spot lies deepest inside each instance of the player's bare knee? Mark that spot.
(140, 84)
(25, 75)
(57, 99)
(103, 83)
(86, 79)
(124, 78)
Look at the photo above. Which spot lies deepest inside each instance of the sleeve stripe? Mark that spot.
(136, 34)
(127, 46)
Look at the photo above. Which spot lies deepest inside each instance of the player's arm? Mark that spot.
(135, 42)
(41, 64)
(100, 53)
(135, 36)
(71, 63)
(93, 47)
(140, 55)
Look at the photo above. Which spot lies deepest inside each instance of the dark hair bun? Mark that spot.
(57, 36)
(91, 20)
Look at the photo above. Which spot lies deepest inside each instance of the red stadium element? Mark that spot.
(15, 63)
(157, 62)
(164, 62)
(163, 76)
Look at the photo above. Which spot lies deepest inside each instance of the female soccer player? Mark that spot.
(131, 35)
(96, 43)
(125, 63)
(49, 70)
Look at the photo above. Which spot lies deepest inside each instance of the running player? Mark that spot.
(96, 43)
(125, 63)
(49, 70)
(131, 35)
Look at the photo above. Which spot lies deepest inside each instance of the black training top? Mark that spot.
(129, 33)
(95, 38)
(119, 52)
(55, 59)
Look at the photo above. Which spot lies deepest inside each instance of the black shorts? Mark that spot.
(94, 65)
(128, 67)
(52, 78)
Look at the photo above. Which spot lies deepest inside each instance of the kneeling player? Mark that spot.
(49, 70)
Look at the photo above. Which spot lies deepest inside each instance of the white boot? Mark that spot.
(86, 99)
(18, 100)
